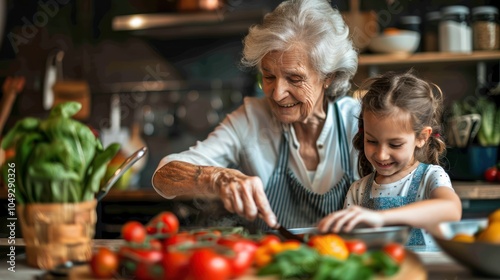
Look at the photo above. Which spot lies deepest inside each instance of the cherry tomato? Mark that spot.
(146, 263)
(179, 238)
(134, 231)
(491, 174)
(269, 238)
(396, 251)
(176, 264)
(164, 222)
(207, 265)
(356, 246)
(207, 235)
(104, 263)
(244, 252)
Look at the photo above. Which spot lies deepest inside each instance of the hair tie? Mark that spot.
(436, 135)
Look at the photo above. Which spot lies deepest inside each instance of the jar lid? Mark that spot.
(455, 10)
(434, 15)
(410, 20)
(485, 10)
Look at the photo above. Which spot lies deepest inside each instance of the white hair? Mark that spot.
(314, 25)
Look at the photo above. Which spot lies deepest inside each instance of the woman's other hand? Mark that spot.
(347, 219)
(243, 195)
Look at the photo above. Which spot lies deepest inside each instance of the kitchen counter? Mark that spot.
(438, 265)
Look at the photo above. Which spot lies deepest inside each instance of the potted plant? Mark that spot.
(469, 159)
(52, 179)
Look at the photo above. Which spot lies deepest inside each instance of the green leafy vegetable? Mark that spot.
(306, 263)
(57, 159)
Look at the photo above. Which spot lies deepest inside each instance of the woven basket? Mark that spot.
(57, 232)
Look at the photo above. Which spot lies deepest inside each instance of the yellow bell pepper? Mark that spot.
(330, 244)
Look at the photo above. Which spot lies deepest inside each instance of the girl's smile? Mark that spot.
(389, 145)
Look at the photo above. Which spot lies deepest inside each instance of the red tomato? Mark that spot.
(269, 239)
(164, 222)
(104, 263)
(207, 235)
(207, 265)
(179, 238)
(176, 264)
(155, 244)
(356, 246)
(134, 231)
(396, 251)
(491, 174)
(244, 252)
(147, 263)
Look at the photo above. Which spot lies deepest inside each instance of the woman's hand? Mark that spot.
(243, 195)
(347, 219)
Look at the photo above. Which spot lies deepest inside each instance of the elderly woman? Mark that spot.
(292, 149)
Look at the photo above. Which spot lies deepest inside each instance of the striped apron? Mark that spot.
(294, 205)
(382, 203)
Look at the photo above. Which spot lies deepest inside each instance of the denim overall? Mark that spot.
(296, 206)
(383, 203)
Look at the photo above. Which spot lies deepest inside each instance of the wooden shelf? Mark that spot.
(426, 57)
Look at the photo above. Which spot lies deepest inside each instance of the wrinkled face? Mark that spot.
(389, 144)
(293, 88)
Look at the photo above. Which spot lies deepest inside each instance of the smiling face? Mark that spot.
(389, 145)
(293, 88)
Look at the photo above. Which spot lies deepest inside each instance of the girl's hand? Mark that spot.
(347, 219)
(243, 195)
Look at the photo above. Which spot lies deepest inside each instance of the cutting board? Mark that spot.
(363, 26)
(412, 268)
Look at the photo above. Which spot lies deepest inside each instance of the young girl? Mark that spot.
(402, 182)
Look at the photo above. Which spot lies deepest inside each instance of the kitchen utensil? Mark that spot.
(373, 237)
(120, 171)
(289, 235)
(463, 129)
(58, 90)
(480, 257)
(363, 26)
(115, 133)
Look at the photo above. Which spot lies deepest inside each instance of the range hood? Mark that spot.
(175, 25)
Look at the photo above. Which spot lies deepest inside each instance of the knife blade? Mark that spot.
(289, 235)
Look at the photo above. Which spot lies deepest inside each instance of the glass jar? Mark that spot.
(411, 23)
(431, 33)
(455, 33)
(485, 28)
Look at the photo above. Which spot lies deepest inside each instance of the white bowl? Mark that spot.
(404, 41)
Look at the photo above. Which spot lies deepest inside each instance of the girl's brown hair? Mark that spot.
(403, 92)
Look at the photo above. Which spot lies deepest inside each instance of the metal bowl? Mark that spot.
(373, 237)
(480, 257)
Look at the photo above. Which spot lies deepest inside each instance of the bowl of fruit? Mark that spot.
(475, 243)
